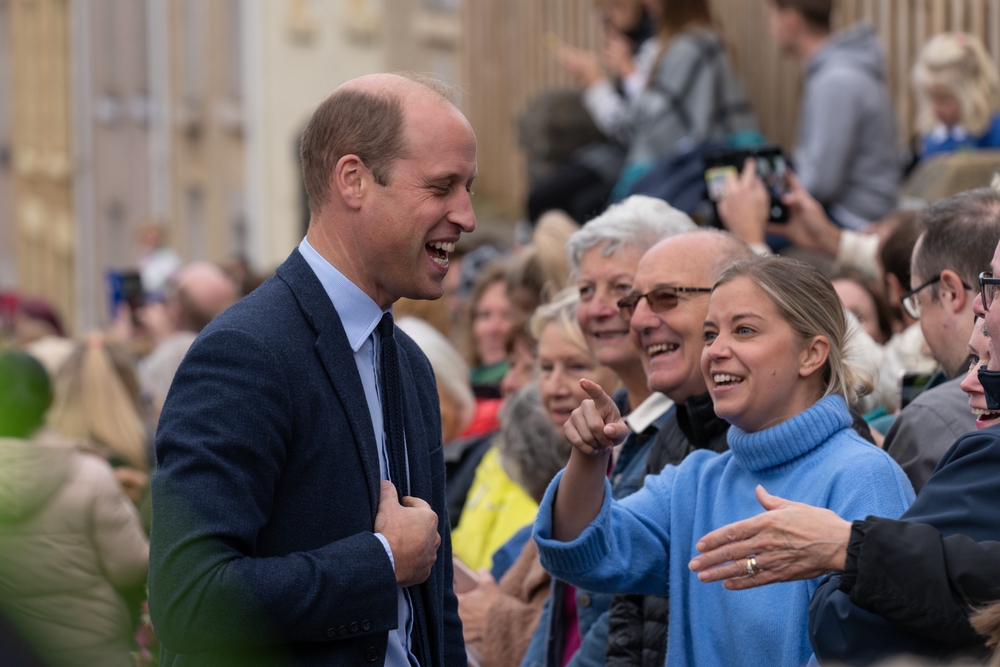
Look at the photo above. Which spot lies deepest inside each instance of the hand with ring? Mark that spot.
(788, 542)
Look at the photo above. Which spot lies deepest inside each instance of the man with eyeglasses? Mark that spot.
(957, 245)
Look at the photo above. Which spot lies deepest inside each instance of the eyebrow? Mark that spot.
(745, 316)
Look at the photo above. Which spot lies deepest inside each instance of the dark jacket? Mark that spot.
(909, 585)
(262, 547)
(637, 625)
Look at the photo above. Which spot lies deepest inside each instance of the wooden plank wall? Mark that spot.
(504, 63)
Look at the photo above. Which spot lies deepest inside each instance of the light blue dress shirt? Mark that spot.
(360, 316)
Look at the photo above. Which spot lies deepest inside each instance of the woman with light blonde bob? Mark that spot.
(958, 91)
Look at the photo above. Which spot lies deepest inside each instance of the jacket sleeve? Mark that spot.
(912, 576)
(221, 445)
(118, 535)
(958, 500)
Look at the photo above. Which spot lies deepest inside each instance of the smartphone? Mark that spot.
(772, 168)
(910, 386)
(125, 287)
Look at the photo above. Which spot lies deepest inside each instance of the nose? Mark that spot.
(644, 319)
(718, 348)
(463, 214)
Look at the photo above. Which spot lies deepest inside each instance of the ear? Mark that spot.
(350, 179)
(893, 289)
(814, 355)
(951, 284)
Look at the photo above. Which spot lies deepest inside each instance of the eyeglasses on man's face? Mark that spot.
(911, 304)
(988, 288)
(660, 299)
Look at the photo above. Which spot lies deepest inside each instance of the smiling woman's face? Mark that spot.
(602, 281)
(562, 364)
(759, 371)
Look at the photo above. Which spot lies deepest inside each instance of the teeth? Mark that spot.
(989, 414)
(441, 245)
(722, 378)
(661, 347)
(440, 261)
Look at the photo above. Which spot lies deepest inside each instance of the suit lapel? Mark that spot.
(337, 358)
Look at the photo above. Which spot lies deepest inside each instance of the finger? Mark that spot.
(411, 501)
(616, 432)
(727, 553)
(387, 492)
(595, 423)
(734, 532)
(768, 501)
(602, 401)
(583, 419)
(732, 570)
(794, 184)
(573, 434)
(749, 170)
(760, 579)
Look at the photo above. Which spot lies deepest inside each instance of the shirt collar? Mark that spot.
(648, 412)
(358, 312)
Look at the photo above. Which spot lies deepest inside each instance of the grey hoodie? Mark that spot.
(845, 153)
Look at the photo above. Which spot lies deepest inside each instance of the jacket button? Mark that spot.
(330, 633)
(342, 630)
(371, 654)
(366, 625)
(583, 599)
(354, 628)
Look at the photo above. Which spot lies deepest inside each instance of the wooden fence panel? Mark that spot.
(505, 64)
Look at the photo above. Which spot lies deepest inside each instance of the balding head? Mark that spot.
(670, 340)
(363, 117)
(201, 291)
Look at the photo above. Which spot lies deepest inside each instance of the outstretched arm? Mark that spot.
(593, 429)
(790, 541)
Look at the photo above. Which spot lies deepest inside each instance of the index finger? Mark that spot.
(602, 401)
(749, 169)
(734, 532)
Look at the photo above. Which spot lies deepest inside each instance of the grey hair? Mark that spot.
(450, 370)
(638, 221)
(531, 450)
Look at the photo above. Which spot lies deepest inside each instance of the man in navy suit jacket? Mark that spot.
(277, 537)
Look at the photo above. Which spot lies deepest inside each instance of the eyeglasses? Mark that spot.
(660, 299)
(912, 305)
(988, 288)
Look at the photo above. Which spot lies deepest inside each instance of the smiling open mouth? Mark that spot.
(725, 380)
(438, 252)
(985, 415)
(661, 348)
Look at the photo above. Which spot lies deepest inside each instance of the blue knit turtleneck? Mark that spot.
(643, 543)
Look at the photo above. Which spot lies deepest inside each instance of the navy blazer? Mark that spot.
(959, 498)
(262, 549)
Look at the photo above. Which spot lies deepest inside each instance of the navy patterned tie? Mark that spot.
(392, 406)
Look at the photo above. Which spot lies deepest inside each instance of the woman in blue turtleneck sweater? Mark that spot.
(774, 362)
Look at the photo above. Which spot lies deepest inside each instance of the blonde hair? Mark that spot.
(96, 399)
(807, 301)
(959, 62)
(562, 312)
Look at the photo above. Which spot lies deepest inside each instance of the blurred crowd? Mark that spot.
(633, 280)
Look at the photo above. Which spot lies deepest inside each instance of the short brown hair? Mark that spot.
(815, 12)
(357, 122)
(351, 122)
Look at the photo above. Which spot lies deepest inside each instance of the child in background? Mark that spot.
(958, 90)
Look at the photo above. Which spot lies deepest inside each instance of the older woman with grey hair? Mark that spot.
(602, 258)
